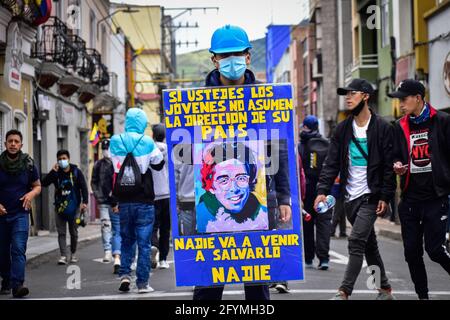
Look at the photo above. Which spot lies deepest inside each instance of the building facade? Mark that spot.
(73, 87)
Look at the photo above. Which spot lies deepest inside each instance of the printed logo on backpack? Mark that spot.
(67, 201)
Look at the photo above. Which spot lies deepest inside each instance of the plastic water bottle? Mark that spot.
(326, 205)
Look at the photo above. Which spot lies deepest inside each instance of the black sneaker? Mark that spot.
(124, 284)
(6, 288)
(323, 265)
(20, 292)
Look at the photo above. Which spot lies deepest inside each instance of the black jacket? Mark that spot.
(102, 181)
(80, 183)
(439, 144)
(278, 188)
(380, 174)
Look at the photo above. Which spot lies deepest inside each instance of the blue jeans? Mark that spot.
(136, 226)
(110, 229)
(13, 245)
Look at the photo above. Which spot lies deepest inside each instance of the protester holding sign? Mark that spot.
(241, 135)
(361, 151)
(421, 158)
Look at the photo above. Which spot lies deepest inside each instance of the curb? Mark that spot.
(390, 234)
(39, 259)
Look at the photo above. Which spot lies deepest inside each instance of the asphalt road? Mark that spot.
(50, 281)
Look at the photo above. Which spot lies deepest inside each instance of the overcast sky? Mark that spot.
(252, 15)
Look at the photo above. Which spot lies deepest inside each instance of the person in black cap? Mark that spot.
(313, 149)
(361, 151)
(425, 180)
(101, 183)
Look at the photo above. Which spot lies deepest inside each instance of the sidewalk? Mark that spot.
(385, 228)
(45, 245)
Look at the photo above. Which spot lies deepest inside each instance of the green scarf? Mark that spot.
(250, 210)
(17, 166)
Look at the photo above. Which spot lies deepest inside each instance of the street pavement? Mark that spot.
(47, 280)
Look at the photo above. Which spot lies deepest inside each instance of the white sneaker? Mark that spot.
(163, 264)
(155, 257)
(62, 261)
(108, 257)
(73, 258)
(146, 289)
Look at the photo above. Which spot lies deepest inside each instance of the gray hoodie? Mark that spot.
(161, 178)
(184, 179)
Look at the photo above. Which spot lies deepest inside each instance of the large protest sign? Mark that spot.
(232, 161)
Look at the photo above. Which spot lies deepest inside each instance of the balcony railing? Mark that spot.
(100, 75)
(54, 45)
(365, 61)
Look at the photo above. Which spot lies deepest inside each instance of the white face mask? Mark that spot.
(106, 154)
(63, 164)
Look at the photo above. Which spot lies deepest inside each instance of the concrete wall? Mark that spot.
(117, 54)
(345, 53)
(438, 51)
(328, 101)
(402, 27)
(384, 105)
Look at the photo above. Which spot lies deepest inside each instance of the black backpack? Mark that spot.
(129, 181)
(313, 157)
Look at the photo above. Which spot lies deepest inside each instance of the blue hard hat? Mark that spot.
(229, 39)
(311, 122)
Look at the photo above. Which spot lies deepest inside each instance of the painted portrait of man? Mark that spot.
(229, 176)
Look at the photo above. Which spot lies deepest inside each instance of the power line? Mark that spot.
(142, 37)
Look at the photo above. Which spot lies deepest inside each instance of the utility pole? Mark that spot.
(168, 29)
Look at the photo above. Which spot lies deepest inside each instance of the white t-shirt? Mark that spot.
(357, 170)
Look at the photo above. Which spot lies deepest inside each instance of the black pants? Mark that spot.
(162, 223)
(252, 292)
(339, 218)
(362, 242)
(419, 221)
(318, 244)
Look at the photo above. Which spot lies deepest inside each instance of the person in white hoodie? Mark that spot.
(161, 228)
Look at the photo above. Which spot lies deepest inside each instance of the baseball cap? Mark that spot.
(408, 87)
(356, 85)
(311, 122)
(105, 144)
